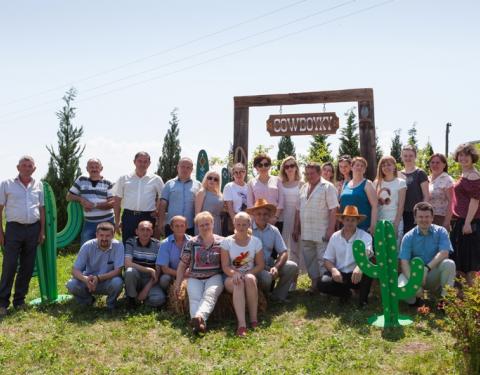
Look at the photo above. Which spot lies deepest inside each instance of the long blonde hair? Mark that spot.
(380, 176)
(283, 173)
(205, 182)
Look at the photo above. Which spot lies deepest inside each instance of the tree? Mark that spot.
(396, 147)
(378, 148)
(167, 162)
(349, 136)
(423, 156)
(412, 136)
(285, 148)
(319, 149)
(63, 167)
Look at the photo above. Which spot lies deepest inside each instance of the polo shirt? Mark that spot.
(95, 192)
(416, 244)
(22, 203)
(169, 253)
(139, 193)
(180, 198)
(340, 250)
(271, 239)
(91, 260)
(142, 255)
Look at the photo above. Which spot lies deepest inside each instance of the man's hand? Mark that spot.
(329, 233)
(336, 275)
(87, 205)
(356, 275)
(274, 272)
(92, 282)
(118, 228)
(41, 237)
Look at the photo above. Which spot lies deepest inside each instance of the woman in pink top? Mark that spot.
(267, 187)
(440, 187)
(465, 234)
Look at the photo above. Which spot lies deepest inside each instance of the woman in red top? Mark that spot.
(465, 236)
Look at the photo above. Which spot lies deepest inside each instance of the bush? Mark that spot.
(463, 322)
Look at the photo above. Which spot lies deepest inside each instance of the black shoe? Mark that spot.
(131, 302)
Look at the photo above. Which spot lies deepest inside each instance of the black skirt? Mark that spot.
(466, 247)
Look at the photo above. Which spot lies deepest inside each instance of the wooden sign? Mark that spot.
(303, 124)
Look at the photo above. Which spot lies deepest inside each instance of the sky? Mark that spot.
(133, 62)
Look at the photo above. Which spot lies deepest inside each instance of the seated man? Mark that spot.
(431, 243)
(141, 278)
(170, 250)
(281, 268)
(342, 272)
(98, 268)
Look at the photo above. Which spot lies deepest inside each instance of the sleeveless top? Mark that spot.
(357, 197)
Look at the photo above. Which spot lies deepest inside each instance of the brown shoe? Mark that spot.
(198, 325)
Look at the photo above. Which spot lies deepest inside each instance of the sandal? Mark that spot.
(241, 332)
(254, 324)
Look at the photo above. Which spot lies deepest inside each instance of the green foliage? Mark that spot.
(463, 322)
(63, 166)
(319, 149)
(167, 162)
(349, 140)
(378, 148)
(396, 147)
(285, 148)
(412, 136)
(423, 155)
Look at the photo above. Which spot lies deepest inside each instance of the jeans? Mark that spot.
(135, 281)
(203, 295)
(111, 288)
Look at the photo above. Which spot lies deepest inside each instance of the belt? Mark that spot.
(22, 224)
(136, 213)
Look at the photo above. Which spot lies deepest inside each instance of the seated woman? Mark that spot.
(201, 255)
(242, 259)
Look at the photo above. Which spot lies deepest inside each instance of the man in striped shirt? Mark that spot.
(94, 193)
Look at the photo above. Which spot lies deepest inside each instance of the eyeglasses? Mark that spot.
(211, 178)
(239, 172)
(288, 166)
(264, 165)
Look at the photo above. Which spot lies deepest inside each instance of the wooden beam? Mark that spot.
(351, 95)
(240, 135)
(366, 120)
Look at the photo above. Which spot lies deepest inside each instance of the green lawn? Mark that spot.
(309, 335)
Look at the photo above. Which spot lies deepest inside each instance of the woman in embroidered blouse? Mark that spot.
(242, 259)
(360, 192)
(440, 188)
(267, 187)
(465, 234)
(209, 198)
(201, 255)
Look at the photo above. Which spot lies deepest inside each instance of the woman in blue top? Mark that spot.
(360, 192)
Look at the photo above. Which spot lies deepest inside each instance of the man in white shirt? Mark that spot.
(22, 198)
(343, 274)
(139, 194)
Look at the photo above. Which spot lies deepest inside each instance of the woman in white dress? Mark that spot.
(291, 183)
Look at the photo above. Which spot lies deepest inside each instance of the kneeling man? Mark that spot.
(342, 272)
(98, 268)
(431, 243)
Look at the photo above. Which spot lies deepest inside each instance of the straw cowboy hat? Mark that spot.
(262, 203)
(351, 211)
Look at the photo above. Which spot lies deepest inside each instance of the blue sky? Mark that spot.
(420, 57)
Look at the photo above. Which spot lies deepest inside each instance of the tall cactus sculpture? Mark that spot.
(386, 271)
(46, 259)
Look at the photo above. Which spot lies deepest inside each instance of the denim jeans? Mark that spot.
(111, 288)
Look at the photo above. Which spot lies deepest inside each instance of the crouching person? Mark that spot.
(205, 283)
(98, 268)
(170, 251)
(342, 272)
(141, 278)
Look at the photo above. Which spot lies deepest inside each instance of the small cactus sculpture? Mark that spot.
(46, 259)
(386, 271)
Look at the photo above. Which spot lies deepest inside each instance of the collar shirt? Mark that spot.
(91, 260)
(340, 250)
(271, 239)
(96, 192)
(180, 198)
(425, 246)
(169, 253)
(142, 255)
(314, 210)
(139, 193)
(22, 203)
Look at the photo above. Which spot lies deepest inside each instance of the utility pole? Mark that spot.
(447, 133)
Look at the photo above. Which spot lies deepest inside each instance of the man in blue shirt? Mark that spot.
(98, 268)
(431, 243)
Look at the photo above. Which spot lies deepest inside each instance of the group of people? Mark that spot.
(255, 235)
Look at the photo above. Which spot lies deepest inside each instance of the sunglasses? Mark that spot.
(288, 166)
(264, 165)
(239, 172)
(211, 178)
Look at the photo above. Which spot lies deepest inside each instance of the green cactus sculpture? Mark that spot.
(386, 271)
(46, 259)
(202, 165)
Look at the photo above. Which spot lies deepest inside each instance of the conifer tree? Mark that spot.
(285, 148)
(412, 136)
(349, 140)
(396, 147)
(319, 149)
(167, 162)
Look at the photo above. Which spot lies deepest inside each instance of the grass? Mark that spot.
(309, 335)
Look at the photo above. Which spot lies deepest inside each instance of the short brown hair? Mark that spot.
(361, 160)
(141, 153)
(314, 165)
(410, 148)
(422, 206)
(466, 149)
(106, 226)
(442, 158)
(258, 159)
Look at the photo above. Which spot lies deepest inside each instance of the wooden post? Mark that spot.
(240, 135)
(367, 136)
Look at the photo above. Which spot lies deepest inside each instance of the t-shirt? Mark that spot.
(95, 192)
(204, 262)
(414, 188)
(143, 255)
(242, 257)
(388, 195)
(237, 194)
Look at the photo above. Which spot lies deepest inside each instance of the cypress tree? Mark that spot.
(167, 162)
(396, 147)
(285, 148)
(319, 149)
(349, 140)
